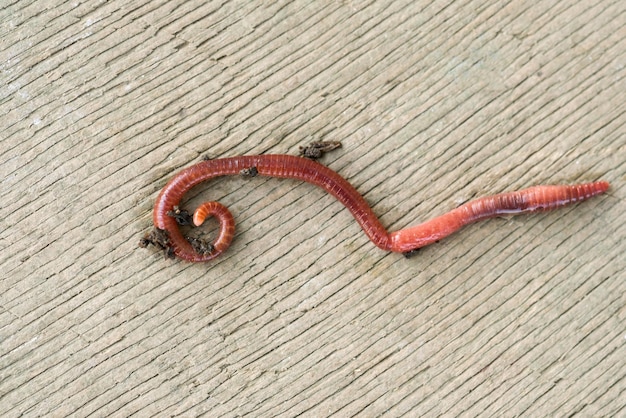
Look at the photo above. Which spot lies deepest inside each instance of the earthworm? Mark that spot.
(166, 214)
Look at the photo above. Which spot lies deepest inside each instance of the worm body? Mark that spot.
(533, 199)
(226, 220)
(286, 166)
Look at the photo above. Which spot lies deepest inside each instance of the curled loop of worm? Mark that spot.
(226, 230)
(168, 236)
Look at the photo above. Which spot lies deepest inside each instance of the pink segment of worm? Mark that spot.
(226, 220)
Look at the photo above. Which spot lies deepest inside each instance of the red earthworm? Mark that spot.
(168, 236)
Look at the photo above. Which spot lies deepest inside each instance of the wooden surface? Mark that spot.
(435, 103)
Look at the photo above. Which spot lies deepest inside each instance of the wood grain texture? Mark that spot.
(436, 102)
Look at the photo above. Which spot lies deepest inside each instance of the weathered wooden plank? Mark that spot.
(435, 103)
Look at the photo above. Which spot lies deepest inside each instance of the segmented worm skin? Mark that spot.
(533, 199)
(286, 166)
(226, 220)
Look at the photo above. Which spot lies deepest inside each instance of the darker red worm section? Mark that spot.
(534, 199)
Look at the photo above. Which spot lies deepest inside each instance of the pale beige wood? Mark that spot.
(435, 103)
